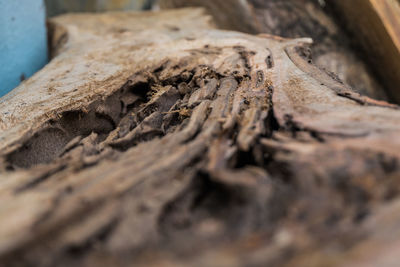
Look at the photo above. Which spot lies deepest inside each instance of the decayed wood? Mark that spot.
(156, 140)
(376, 23)
(293, 19)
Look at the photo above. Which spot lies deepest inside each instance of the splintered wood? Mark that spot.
(153, 139)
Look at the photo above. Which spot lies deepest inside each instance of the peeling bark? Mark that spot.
(154, 139)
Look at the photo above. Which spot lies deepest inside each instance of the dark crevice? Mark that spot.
(39, 179)
(271, 122)
(99, 236)
(244, 55)
(245, 158)
(149, 105)
(204, 198)
(269, 60)
(291, 125)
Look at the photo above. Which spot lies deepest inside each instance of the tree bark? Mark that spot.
(153, 139)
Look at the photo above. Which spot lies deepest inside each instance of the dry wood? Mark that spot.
(294, 19)
(376, 24)
(155, 140)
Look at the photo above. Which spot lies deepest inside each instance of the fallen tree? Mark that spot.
(153, 139)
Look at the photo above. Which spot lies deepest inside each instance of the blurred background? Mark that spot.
(56, 7)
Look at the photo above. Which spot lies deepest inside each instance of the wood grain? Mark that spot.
(152, 139)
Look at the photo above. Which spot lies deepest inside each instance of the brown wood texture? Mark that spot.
(152, 139)
(294, 19)
(376, 26)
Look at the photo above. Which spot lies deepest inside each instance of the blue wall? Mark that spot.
(23, 41)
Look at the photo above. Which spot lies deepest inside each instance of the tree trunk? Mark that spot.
(153, 139)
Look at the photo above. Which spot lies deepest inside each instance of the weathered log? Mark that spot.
(156, 140)
(294, 19)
